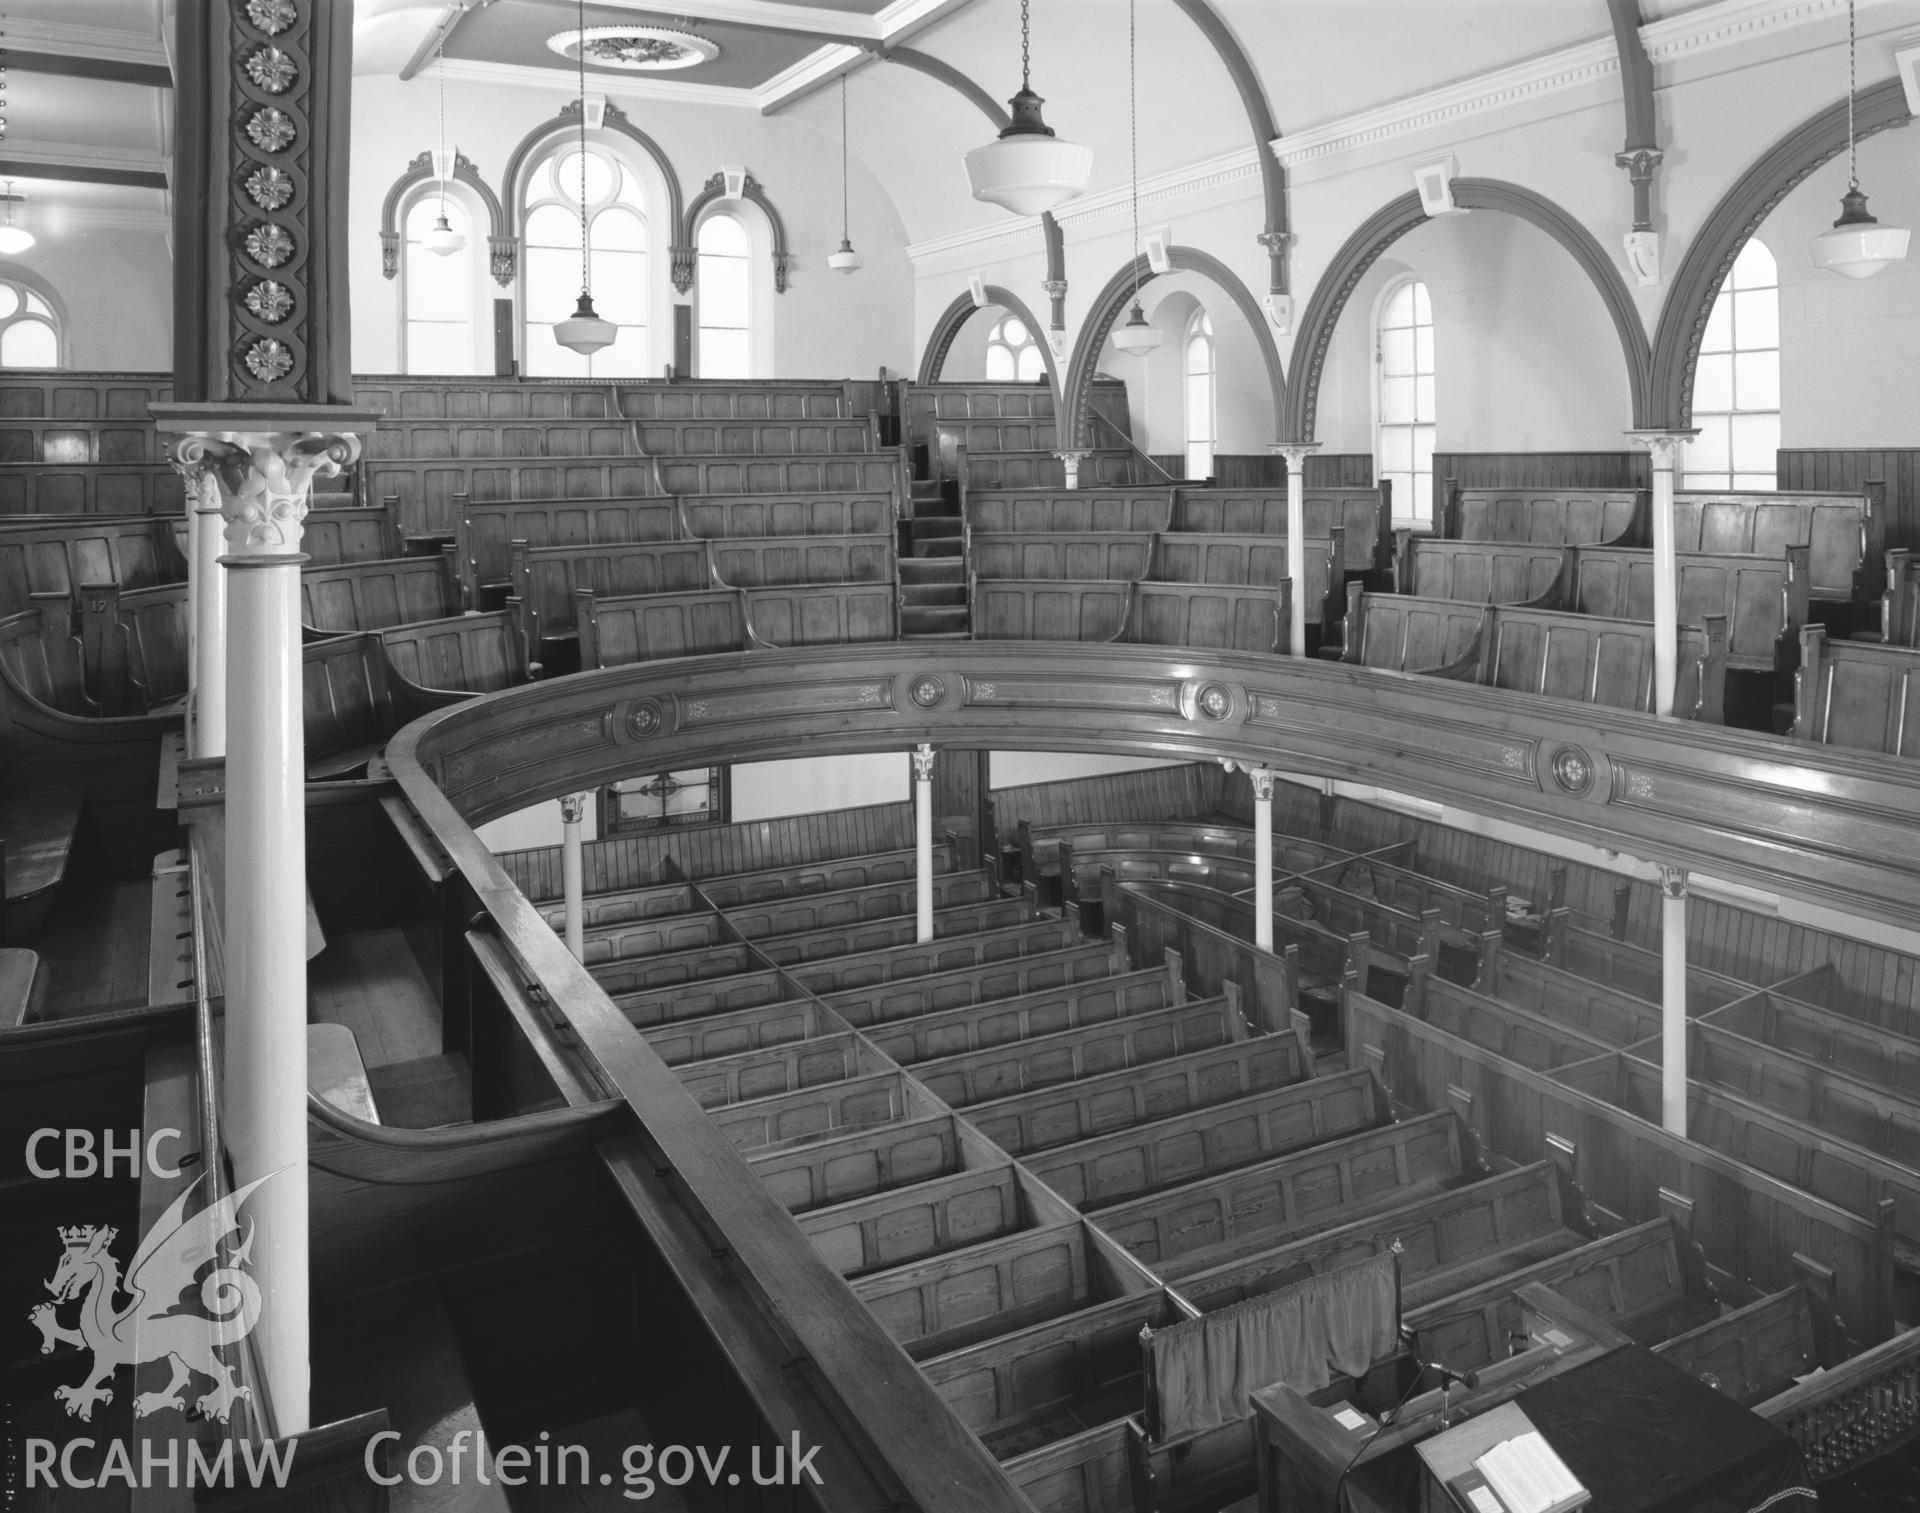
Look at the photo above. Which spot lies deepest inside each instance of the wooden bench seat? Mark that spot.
(372, 595)
(810, 1113)
(1612, 1017)
(1589, 659)
(866, 968)
(930, 1218)
(991, 433)
(353, 702)
(486, 537)
(1255, 561)
(1858, 694)
(783, 561)
(476, 653)
(78, 395)
(403, 438)
(760, 1027)
(1075, 1111)
(872, 901)
(1845, 533)
(622, 904)
(747, 515)
(619, 630)
(1409, 891)
(1153, 1157)
(90, 488)
(771, 1070)
(1389, 930)
(1213, 617)
(1364, 516)
(825, 1172)
(1100, 467)
(706, 474)
(1759, 1351)
(676, 1002)
(331, 535)
(428, 496)
(1550, 516)
(1634, 970)
(735, 436)
(1074, 1055)
(1006, 1021)
(1069, 511)
(1900, 603)
(938, 1305)
(1763, 599)
(46, 559)
(1882, 1057)
(1448, 1242)
(548, 580)
(336, 1072)
(520, 398)
(1535, 1039)
(1060, 554)
(23, 985)
(832, 875)
(887, 1002)
(1478, 572)
(134, 646)
(1252, 1209)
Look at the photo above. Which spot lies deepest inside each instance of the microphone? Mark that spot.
(1451, 1378)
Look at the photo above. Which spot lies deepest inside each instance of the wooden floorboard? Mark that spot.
(93, 951)
(370, 981)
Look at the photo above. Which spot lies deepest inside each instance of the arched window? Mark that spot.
(616, 227)
(1736, 388)
(1403, 354)
(725, 290)
(438, 298)
(1013, 356)
(29, 328)
(1202, 429)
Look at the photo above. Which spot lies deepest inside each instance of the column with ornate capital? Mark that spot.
(1664, 447)
(206, 600)
(1296, 453)
(1673, 999)
(923, 842)
(1071, 460)
(573, 811)
(1262, 780)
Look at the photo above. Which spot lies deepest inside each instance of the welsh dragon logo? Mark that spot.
(153, 1325)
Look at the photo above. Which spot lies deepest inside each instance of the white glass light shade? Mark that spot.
(1137, 335)
(1858, 246)
(846, 260)
(15, 239)
(584, 331)
(442, 240)
(1027, 169)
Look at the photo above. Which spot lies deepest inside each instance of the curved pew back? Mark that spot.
(58, 557)
(1549, 516)
(1859, 694)
(1842, 531)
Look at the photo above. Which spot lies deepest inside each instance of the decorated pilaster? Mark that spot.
(1673, 1000)
(206, 599)
(1296, 453)
(1642, 244)
(923, 842)
(1664, 447)
(573, 812)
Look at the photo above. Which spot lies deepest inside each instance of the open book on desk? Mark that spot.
(1521, 1475)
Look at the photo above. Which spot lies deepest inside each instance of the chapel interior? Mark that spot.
(1027, 756)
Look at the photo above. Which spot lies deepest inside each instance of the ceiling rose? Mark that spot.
(639, 49)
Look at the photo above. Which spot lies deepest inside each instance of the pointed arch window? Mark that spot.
(1736, 387)
(1013, 355)
(1202, 397)
(30, 335)
(617, 241)
(724, 288)
(1404, 399)
(439, 294)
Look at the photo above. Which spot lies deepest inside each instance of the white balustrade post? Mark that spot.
(1673, 999)
(1262, 780)
(1664, 448)
(1296, 453)
(265, 482)
(573, 811)
(923, 842)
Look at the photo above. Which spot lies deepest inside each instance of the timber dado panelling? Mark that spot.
(1540, 470)
(1332, 470)
(1191, 791)
(634, 861)
(1879, 986)
(1845, 469)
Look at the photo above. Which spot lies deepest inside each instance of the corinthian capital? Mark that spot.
(1262, 780)
(923, 764)
(266, 482)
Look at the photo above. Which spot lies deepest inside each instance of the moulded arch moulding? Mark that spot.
(1113, 300)
(1732, 223)
(500, 239)
(715, 189)
(1399, 216)
(947, 328)
(567, 122)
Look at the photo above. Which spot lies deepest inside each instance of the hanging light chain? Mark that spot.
(1853, 149)
(844, 235)
(586, 282)
(1026, 60)
(1133, 125)
(440, 57)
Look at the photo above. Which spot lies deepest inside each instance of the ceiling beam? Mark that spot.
(70, 172)
(77, 66)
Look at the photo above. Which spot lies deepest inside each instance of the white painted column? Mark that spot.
(573, 811)
(206, 599)
(923, 842)
(1664, 447)
(1296, 453)
(1673, 999)
(266, 483)
(1262, 780)
(1071, 462)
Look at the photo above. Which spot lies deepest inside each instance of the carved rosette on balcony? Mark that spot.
(269, 235)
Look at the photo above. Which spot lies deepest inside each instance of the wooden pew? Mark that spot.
(135, 645)
(1551, 516)
(1537, 1040)
(1377, 875)
(1763, 599)
(408, 438)
(837, 514)
(864, 1235)
(738, 437)
(1363, 515)
(864, 969)
(769, 1071)
(784, 561)
(693, 1040)
(59, 441)
(353, 701)
(429, 497)
(90, 488)
(1190, 557)
(822, 910)
(1165, 1153)
(1634, 970)
(894, 1155)
(1006, 979)
(1859, 694)
(1043, 848)
(1609, 1015)
(486, 534)
(1159, 614)
(704, 999)
(460, 653)
(1872, 1054)
(373, 595)
(1589, 659)
(876, 1097)
(1759, 1351)
(549, 580)
(1015, 609)
(1480, 572)
(1100, 468)
(332, 535)
(1076, 1111)
(1251, 1209)
(1059, 554)
(1025, 410)
(1493, 1227)
(628, 628)
(518, 398)
(43, 560)
(865, 472)
(1391, 930)
(1005, 1021)
(1846, 533)
(1069, 511)
(1900, 604)
(78, 395)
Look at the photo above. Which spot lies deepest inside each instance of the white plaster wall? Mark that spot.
(116, 287)
(1017, 769)
(808, 785)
